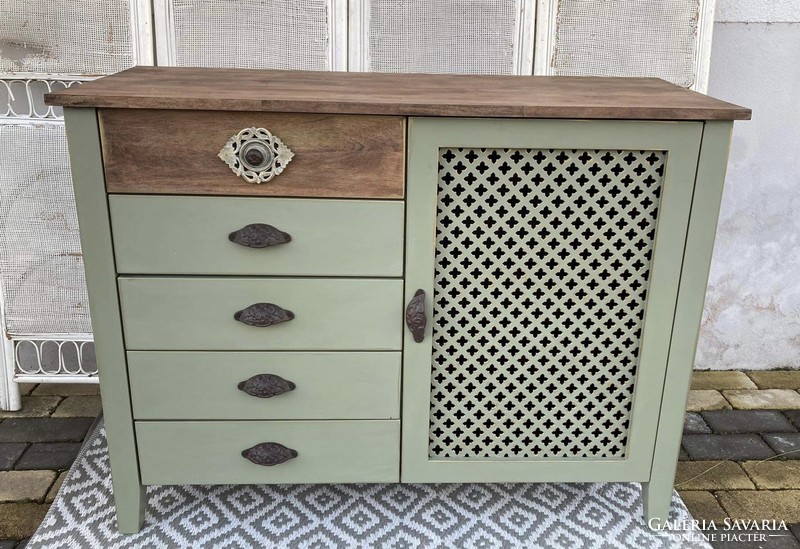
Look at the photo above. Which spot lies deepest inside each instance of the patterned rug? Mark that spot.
(552, 516)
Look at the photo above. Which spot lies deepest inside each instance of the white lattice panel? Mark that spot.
(251, 34)
(79, 37)
(462, 36)
(658, 38)
(541, 272)
(41, 265)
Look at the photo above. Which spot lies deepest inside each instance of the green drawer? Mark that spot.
(210, 452)
(340, 385)
(190, 235)
(198, 313)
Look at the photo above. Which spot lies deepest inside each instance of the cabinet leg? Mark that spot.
(129, 502)
(656, 498)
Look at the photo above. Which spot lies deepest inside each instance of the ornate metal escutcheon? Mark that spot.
(256, 155)
(259, 235)
(269, 454)
(266, 386)
(263, 315)
(415, 316)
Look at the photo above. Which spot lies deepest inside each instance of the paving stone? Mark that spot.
(51, 495)
(79, 406)
(23, 543)
(34, 406)
(26, 389)
(44, 429)
(9, 454)
(794, 417)
(775, 379)
(712, 475)
(763, 399)
(8, 543)
(795, 529)
(700, 401)
(748, 421)
(682, 455)
(726, 447)
(67, 389)
(20, 520)
(25, 485)
(762, 504)
(773, 474)
(786, 445)
(49, 455)
(703, 506)
(722, 380)
(693, 424)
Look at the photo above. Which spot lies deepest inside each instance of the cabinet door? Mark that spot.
(549, 253)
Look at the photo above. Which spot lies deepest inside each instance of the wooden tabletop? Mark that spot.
(397, 94)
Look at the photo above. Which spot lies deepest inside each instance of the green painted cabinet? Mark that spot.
(523, 308)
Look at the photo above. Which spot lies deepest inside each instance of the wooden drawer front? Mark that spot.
(190, 235)
(210, 452)
(198, 313)
(175, 152)
(205, 385)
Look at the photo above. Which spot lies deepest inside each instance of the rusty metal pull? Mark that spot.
(269, 454)
(263, 315)
(266, 386)
(259, 235)
(415, 316)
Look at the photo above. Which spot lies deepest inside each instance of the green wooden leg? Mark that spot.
(129, 502)
(656, 498)
(83, 138)
(688, 313)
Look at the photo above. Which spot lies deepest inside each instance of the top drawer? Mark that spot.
(176, 152)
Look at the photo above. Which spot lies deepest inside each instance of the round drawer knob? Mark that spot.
(255, 155)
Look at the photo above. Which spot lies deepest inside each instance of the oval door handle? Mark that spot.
(263, 315)
(266, 386)
(259, 235)
(415, 316)
(269, 454)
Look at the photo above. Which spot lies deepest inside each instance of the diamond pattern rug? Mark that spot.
(552, 516)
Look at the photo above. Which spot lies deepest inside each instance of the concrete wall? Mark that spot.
(752, 316)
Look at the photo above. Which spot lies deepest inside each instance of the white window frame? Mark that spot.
(164, 25)
(547, 11)
(359, 58)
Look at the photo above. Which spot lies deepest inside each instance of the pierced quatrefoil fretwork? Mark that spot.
(542, 267)
(256, 155)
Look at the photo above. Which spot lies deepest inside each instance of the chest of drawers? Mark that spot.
(329, 277)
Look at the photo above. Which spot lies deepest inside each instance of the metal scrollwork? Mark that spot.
(256, 155)
(263, 315)
(269, 454)
(266, 386)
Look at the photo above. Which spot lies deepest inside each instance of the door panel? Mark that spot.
(540, 245)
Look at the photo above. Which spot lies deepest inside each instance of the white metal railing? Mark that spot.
(38, 358)
(57, 358)
(23, 97)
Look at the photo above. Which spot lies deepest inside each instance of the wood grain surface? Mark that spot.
(400, 94)
(175, 152)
